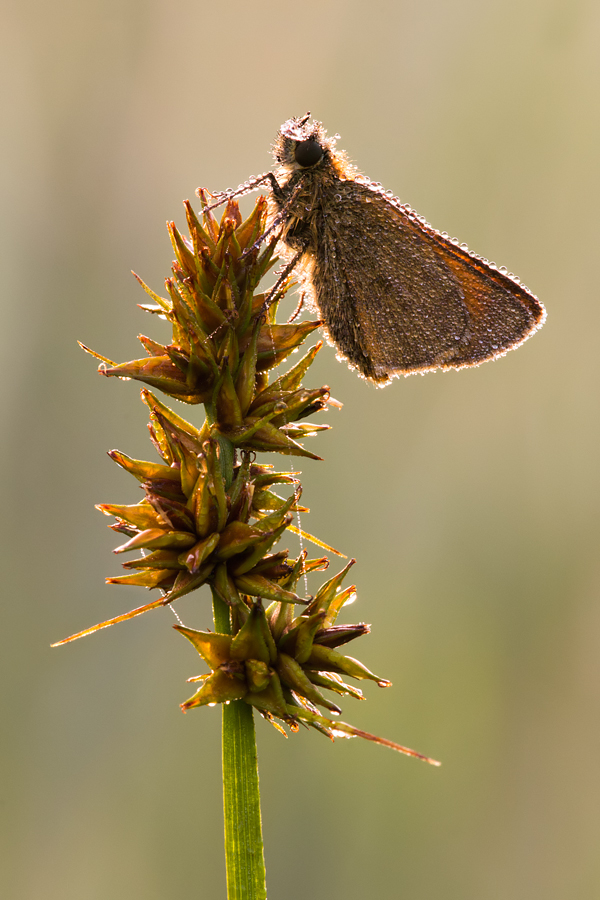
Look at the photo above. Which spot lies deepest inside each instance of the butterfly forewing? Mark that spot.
(397, 297)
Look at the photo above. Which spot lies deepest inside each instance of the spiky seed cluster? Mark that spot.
(279, 663)
(208, 515)
(196, 529)
(225, 338)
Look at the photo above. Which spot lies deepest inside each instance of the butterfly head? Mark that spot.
(302, 144)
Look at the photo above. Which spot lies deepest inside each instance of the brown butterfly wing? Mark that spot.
(396, 297)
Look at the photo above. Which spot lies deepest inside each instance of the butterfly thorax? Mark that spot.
(308, 197)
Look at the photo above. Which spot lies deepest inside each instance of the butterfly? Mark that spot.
(395, 296)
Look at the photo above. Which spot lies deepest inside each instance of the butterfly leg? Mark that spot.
(271, 296)
(246, 188)
(279, 218)
(298, 309)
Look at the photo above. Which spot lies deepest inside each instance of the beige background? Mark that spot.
(471, 499)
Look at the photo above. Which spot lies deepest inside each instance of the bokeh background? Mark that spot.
(471, 499)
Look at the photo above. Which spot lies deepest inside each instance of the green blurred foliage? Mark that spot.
(471, 499)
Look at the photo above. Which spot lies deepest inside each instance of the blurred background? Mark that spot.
(470, 499)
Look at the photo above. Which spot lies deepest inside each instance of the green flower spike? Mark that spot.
(209, 514)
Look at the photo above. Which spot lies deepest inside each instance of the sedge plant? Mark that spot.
(211, 516)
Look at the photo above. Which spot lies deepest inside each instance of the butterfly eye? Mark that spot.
(307, 153)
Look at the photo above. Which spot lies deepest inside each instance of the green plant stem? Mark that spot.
(244, 855)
